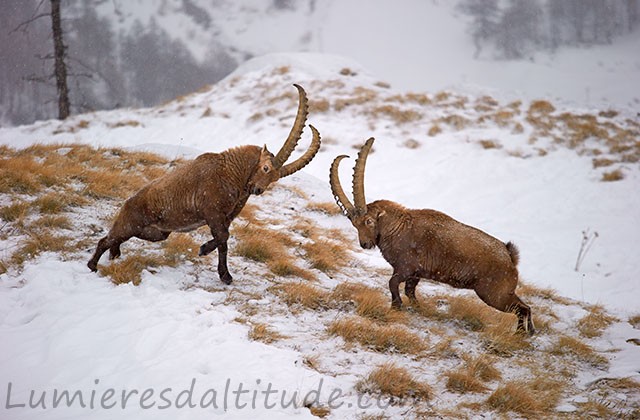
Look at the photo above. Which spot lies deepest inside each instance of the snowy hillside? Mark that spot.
(534, 172)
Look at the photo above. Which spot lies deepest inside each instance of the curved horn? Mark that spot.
(296, 130)
(303, 160)
(338, 193)
(358, 177)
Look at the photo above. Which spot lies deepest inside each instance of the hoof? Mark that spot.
(396, 304)
(226, 278)
(92, 266)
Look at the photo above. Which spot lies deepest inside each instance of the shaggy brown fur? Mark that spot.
(429, 244)
(212, 189)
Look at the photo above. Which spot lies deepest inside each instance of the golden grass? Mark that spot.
(595, 322)
(490, 144)
(325, 207)
(530, 398)
(500, 338)
(434, 130)
(482, 367)
(634, 320)
(381, 338)
(15, 211)
(179, 247)
(566, 345)
(462, 382)
(602, 162)
(264, 333)
(390, 379)
(319, 411)
(38, 242)
(50, 221)
(457, 122)
(615, 175)
(112, 183)
(541, 107)
(319, 105)
(300, 293)
(51, 203)
(324, 255)
(129, 269)
(400, 116)
(370, 303)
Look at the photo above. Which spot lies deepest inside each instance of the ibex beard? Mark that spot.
(210, 190)
(429, 244)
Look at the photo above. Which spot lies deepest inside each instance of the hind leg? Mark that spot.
(501, 295)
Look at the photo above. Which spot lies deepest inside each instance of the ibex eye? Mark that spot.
(265, 168)
(369, 222)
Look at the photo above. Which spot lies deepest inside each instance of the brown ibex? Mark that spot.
(429, 244)
(210, 190)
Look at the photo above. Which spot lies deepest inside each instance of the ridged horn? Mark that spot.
(358, 178)
(338, 193)
(303, 160)
(296, 130)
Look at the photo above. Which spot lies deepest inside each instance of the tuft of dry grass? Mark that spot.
(319, 411)
(15, 211)
(324, 255)
(514, 396)
(396, 381)
(490, 144)
(370, 303)
(566, 345)
(38, 242)
(325, 207)
(499, 338)
(264, 333)
(400, 116)
(595, 322)
(300, 293)
(634, 320)
(51, 203)
(179, 247)
(541, 107)
(129, 269)
(462, 382)
(434, 130)
(615, 175)
(381, 338)
(602, 162)
(50, 221)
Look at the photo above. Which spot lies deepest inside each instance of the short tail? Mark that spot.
(513, 252)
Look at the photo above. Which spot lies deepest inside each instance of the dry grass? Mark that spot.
(324, 255)
(456, 122)
(370, 303)
(400, 116)
(325, 207)
(319, 411)
(38, 242)
(51, 203)
(113, 183)
(595, 322)
(129, 269)
(490, 144)
(434, 130)
(615, 175)
(303, 294)
(15, 211)
(541, 107)
(602, 162)
(536, 397)
(179, 247)
(584, 353)
(264, 333)
(462, 382)
(49, 221)
(385, 338)
(634, 320)
(500, 339)
(390, 379)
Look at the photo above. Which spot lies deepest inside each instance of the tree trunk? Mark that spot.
(60, 69)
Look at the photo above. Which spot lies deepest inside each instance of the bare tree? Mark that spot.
(60, 67)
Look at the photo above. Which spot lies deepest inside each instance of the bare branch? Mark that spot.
(23, 26)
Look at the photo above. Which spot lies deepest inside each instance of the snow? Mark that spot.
(66, 328)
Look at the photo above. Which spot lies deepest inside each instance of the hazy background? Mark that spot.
(144, 52)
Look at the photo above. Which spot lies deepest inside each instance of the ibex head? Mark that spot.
(364, 219)
(271, 168)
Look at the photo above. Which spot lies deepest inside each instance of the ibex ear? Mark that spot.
(264, 149)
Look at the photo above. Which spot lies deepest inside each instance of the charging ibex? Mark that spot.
(210, 190)
(429, 244)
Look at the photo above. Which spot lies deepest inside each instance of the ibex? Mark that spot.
(210, 190)
(429, 244)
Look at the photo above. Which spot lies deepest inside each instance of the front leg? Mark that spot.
(220, 232)
(394, 283)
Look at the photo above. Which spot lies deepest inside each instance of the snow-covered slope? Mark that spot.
(65, 328)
